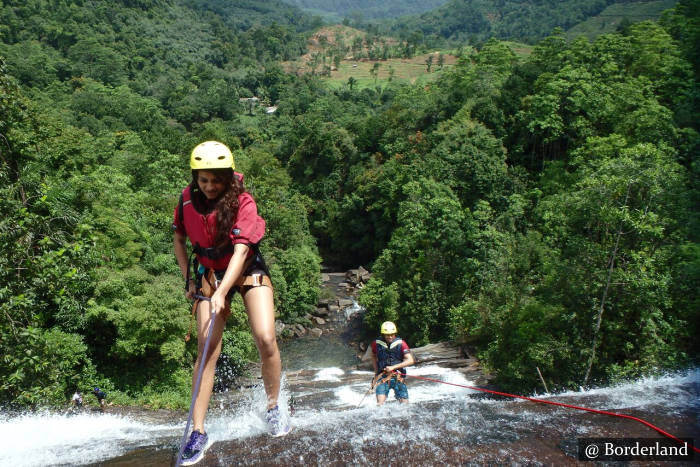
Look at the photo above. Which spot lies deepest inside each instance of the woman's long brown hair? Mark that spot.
(226, 206)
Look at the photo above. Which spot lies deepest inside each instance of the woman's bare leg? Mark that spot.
(260, 307)
(206, 386)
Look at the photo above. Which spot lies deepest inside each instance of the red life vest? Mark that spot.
(201, 229)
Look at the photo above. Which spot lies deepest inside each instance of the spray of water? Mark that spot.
(51, 439)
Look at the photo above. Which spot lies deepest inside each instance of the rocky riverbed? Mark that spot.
(336, 312)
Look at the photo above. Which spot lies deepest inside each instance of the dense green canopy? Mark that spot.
(542, 210)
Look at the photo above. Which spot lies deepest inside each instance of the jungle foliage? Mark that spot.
(521, 20)
(541, 210)
(100, 105)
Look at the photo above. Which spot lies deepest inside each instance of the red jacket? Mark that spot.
(248, 227)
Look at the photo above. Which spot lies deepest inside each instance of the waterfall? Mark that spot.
(441, 424)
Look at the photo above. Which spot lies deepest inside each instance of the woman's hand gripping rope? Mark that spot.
(198, 295)
(218, 300)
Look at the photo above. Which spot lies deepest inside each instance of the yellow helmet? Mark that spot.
(388, 328)
(211, 155)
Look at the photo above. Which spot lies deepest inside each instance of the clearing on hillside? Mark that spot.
(338, 53)
(412, 70)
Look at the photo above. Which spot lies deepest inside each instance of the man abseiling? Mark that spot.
(390, 355)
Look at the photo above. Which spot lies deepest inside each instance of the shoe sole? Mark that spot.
(201, 456)
(282, 433)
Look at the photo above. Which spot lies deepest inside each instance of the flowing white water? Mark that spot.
(672, 391)
(437, 414)
(50, 439)
(354, 308)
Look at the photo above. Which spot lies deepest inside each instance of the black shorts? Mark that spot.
(257, 266)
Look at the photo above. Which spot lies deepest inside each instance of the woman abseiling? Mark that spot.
(220, 218)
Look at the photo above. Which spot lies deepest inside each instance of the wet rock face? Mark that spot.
(318, 320)
(357, 277)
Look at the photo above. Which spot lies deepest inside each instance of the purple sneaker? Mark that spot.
(195, 447)
(275, 422)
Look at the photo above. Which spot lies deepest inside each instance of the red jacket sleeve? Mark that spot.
(178, 226)
(404, 348)
(249, 227)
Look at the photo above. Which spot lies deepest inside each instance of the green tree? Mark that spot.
(91, 59)
(682, 24)
(374, 71)
(321, 159)
(468, 158)
(423, 262)
(616, 236)
(45, 265)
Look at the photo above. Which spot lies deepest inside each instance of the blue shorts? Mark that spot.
(400, 390)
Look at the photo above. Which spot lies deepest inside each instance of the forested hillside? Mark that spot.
(542, 210)
(618, 16)
(101, 104)
(521, 20)
(361, 10)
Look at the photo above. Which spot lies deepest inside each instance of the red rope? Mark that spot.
(560, 404)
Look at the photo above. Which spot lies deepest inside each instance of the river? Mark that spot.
(442, 425)
(322, 388)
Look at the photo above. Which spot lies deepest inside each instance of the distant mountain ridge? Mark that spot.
(367, 9)
(247, 13)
